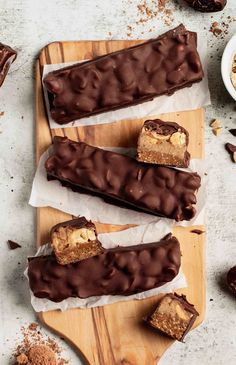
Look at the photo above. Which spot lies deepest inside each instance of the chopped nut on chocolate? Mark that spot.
(231, 279)
(75, 240)
(174, 316)
(163, 143)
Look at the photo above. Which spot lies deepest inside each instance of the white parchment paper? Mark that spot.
(51, 193)
(191, 98)
(129, 237)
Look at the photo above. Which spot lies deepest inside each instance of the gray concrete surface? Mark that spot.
(28, 25)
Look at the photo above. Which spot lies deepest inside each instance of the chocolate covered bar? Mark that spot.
(7, 57)
(125, 78)
(117, 271)
(155, 189)
(75, 240)
(163, 143)
(206, 6)
(173, 316)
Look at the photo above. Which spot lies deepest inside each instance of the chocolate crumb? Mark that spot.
(33, 326)
(1, 114)
(233, 132)
(13, 245)
(36, 349)
(197, 231)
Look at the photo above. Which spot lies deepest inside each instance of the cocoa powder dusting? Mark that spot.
(37, 349)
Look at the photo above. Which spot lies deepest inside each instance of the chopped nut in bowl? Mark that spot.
(228, 67)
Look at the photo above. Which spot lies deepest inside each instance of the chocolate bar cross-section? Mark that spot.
(126, 77)
(117, 271)
(155, 189)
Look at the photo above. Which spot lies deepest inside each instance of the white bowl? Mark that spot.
(226, 65)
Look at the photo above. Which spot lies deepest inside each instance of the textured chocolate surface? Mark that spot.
(174, 316)
(207, 5)
(117, 271)
(78, 223)
(165, 128)
(124, 78)
(75, 240)
(156, 189)
(231, 279)
(7, 56)
(171, 151)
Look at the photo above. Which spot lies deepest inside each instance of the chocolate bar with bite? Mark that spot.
(158, 190)
(75, 240)
(7, 57)
(173, 316)
(126, 77)
(163, 143)
(117, 271)
(206, 6)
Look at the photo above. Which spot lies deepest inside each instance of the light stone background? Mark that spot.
(28, 25)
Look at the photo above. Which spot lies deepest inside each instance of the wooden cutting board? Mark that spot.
(115, 334)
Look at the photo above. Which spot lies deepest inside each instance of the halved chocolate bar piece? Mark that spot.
(75, 240)
(121, 179)
(117, 271)
(126, 77)
(7, 57)
(206, 6)
(173, 316)
(163, 143)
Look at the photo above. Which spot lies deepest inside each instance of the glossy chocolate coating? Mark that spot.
(206, 6)
(156, 189)
(124, 78)
(231, 279)
(117, 271)
(7, 57)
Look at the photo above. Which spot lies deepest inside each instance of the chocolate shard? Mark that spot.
(173, 316)
(233, 132)
(155, 189)
(163, 143)
(231, 279)
(7, 57)
(207, 6)
(75, 240)
(13, 245)
(125, 78)
(117, 271)
(197, 231)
